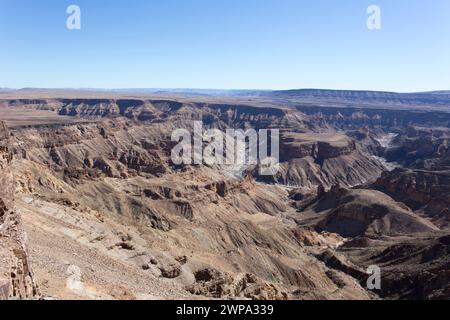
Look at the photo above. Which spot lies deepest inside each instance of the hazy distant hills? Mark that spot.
(318, 93)
(440, 92)
(183, 91)
(356, 94)
(434, 100)
(438, 100)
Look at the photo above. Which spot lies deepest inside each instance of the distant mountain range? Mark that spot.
(351, 93)
(184, 91)
(433, 100)
(255, 92)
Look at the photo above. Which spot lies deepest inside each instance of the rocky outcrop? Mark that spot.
(216, 284)
(423, 190)
(414, 269)
(161, 193)
(167, 266)
(108, 148)
(317, 146)
(146, 161)
(339, 262)
(424, 182)
(221, 188)
(353, 118)
(310, 161)
(366, 140)
(354, 213)
(16, 277)
(422, 148)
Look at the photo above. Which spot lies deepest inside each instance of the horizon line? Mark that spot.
(214, 89)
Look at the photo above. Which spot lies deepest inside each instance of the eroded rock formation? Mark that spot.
(16, 277)
(97, 186)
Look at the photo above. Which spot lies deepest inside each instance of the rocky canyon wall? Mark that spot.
(16, 278)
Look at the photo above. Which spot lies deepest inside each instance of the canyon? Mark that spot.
(92, 207)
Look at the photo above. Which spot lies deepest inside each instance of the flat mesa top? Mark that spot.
(22, 116)
(335, 139)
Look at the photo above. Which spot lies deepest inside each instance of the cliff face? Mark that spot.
(426, 191)
(164, 111)
(323, 160)
(367, 213)
(16, 278)
(355, 118)
(422, 148)
(424, 182)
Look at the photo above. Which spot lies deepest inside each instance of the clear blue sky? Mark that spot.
(261, 44)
